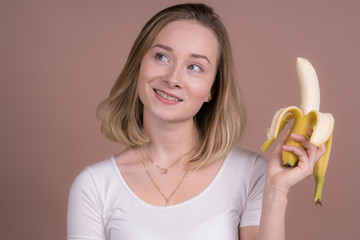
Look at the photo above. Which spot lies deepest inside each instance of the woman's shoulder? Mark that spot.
(246, 166)
(126, 157)
(239, 152)
(95, 173)
(242, 156)
(106, 166)
(102, 167)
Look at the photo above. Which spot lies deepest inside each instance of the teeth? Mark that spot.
(167, 96)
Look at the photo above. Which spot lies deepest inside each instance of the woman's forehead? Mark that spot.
(189, 35)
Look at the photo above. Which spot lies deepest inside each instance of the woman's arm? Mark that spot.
(248, 233)
(279, 181)
(84, 218)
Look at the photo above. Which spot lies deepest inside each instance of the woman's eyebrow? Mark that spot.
(163, 47)
(194, 55)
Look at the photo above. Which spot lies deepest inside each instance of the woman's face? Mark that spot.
(177, 72)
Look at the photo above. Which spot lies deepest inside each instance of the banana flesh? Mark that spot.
(304, 118)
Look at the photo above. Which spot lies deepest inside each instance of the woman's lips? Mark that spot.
(167, 96)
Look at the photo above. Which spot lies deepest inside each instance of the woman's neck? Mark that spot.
(169, 141)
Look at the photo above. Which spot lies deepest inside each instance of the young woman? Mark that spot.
(176, 107)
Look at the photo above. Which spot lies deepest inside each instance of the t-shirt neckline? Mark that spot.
(184, 203)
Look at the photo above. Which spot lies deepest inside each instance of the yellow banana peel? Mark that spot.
(306, 117)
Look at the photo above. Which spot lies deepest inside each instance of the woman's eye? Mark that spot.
(194, 67)
(161, 57)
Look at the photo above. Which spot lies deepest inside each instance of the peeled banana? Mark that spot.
(306, 117)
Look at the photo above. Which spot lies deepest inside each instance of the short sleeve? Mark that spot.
(84, 217)
(252, 213)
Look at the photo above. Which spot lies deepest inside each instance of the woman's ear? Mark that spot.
(208, 98)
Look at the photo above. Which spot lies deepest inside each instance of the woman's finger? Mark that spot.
(301, 153)
(278, 148)
(305, 163)
(320, 151)
(310, 132)
(314, 152)
(310, 148)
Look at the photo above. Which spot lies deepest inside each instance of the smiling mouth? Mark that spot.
(168, 97)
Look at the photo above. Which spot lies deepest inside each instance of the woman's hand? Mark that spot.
(282, 179)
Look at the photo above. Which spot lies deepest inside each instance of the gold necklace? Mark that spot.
(167, 199)
(165, 170)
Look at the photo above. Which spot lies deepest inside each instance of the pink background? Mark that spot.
(59, 59)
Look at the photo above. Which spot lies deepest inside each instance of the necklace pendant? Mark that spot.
(167, 203)
(164, 171)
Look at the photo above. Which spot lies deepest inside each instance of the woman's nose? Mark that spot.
(174, 77)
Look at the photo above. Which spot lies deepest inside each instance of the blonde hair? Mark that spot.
(220, 122)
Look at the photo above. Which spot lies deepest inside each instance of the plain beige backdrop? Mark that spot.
(59, 59)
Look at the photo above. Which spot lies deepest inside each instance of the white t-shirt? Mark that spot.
(102, 206)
